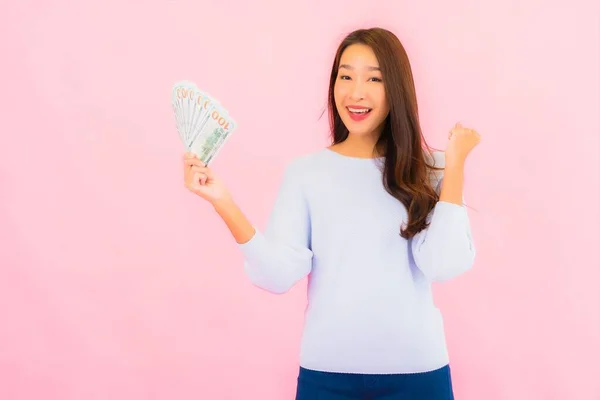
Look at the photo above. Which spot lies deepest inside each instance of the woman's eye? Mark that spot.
(346, 77)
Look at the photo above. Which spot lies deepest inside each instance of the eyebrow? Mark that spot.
(369, 68)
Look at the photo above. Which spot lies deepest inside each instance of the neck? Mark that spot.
(362, 146)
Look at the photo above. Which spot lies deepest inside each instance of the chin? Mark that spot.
(360, 131)
(363, 128)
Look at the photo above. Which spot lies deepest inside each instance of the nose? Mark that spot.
(357, 91)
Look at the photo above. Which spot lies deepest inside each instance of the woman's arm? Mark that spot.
(453, 182)
(445, 249)
(279, 257)
(237, 223)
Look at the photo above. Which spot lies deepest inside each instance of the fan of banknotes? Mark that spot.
(203, 124)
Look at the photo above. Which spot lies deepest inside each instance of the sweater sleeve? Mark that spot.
(445, 249)
(279, 257)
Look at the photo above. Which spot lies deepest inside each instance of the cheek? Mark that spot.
(382, 104)
(384, 107)
(382, 100)
(338, 93)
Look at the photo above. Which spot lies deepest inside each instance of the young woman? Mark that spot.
(372, 221)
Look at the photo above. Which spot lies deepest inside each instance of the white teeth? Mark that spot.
(359, 111)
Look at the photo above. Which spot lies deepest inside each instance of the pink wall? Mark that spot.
(116, 283)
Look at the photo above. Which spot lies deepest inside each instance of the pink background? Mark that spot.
(116, 283)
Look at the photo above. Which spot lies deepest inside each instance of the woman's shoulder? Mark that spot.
(305, 162)
(299, 166)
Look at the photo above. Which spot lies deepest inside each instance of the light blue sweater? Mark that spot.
(370, 306)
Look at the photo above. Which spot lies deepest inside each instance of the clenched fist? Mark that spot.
(200, 179)
(461, 141)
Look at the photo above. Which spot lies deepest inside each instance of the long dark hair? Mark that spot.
(406, 173)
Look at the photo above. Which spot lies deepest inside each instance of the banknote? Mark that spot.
(214, 134)
(203, 124)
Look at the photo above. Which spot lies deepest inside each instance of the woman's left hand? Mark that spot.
(461, 141)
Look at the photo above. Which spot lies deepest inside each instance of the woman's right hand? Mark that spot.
(200, 180)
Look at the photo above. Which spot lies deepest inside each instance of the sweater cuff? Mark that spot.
(255, 247)
(450, 212)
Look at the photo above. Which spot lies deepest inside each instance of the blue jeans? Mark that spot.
(431, 385)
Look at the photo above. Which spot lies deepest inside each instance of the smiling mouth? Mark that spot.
(359, 114)
(359, 111)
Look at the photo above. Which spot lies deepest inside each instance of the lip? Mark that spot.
(358, 117)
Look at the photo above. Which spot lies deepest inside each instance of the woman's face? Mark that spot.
(359, 92)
